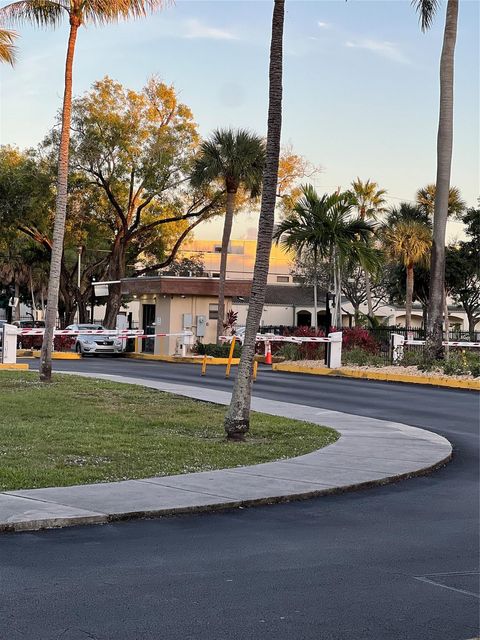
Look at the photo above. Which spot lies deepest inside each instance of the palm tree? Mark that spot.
(237, 420)
(427, 10)
(370, 203)
(408, 241)
(425, 199)
(323, 227)
(7, 47)
(236, 158)
(50, 13)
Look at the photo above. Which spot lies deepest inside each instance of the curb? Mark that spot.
(384, 377)
(181, 359)
(14, 367)
(60, 355)
(399, 452)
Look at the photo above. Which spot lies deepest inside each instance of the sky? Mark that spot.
(360, 84)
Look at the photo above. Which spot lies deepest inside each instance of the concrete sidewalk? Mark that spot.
(368, 453)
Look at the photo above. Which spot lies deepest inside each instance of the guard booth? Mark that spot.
(8, 344)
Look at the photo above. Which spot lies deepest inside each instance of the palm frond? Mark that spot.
(7, 47)
(426, 10)
(40, 13)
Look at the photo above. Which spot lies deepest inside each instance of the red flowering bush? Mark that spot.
(358, 337)
(60, 343)
(307, 350)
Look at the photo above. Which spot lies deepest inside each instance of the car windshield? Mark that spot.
(90, 327)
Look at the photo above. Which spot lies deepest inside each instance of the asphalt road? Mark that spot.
(391, 563)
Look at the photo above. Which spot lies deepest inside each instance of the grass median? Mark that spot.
(82, 430)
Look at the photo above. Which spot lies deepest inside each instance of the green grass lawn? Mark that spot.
(78, 430)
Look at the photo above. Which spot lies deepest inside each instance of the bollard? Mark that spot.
(230, 356)
(204, 365)
(255, 368)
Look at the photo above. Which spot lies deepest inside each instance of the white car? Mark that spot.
(91, 344)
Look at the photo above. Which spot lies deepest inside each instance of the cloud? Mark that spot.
(323, 25)
(196, 29)
(382, 48)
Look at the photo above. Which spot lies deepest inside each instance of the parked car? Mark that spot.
(91, 344)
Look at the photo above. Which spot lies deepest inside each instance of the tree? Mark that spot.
(370, 203)
(323, 227)
(235, 158)
(408, 242)
(425, 198)
(237, 420)
(427, 10)
(463, 270)
(7, 47)
(49, 13)
(132, 154)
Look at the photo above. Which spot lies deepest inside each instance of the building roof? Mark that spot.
(297, 296)
(173, 285)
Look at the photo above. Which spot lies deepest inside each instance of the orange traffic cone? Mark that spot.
(268, 353)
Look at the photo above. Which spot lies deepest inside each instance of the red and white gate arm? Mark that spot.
(445, 343)
(121, 335)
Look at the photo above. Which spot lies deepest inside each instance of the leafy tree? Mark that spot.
(237, 420)
(427, 10)
(370, 203)
(7, 47)
(463, 269)
(186, 267)
(132, 154)
(408, 242)
(323, 227)
(50, 13)
(235, 158)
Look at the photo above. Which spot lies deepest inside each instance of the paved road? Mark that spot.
(392, 563)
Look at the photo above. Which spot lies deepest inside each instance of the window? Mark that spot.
(217, 248)
(213, 311)
(298, 279)
(215, 275)
(283, 279)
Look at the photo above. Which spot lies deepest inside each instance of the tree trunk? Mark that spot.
(116, 272)
(444, 164)
(16, 313)
(60, 213)
(368, 294)
(315, 292)
(447, 321)
(237, 421)
(409, 297)
(227, 231)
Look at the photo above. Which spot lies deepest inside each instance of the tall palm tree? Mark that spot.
(427, 10)
(323, 227)
(7, 46)
(50, 13)
(408, 241)
(370, 203)
(237, 420)
(236, 159)
(425, 198)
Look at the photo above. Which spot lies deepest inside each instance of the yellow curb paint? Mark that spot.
(60, 355)
(14, 367)
(385, 377)
(181, 359)
(24, 353)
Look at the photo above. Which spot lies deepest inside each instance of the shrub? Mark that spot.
(361, 338)
(362, 358)
(307, 350)
(60, 343)
(289, 351)
(217, 350)
(455, 365)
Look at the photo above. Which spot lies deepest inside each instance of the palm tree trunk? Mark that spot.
(16, 314)
(409, 297)
(447, 321)
(315, 291)
(60, 212)
(368, 294)
(237, 420)
(444, 164)
(227, 232)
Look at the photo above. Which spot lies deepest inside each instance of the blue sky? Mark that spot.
(361, 83)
